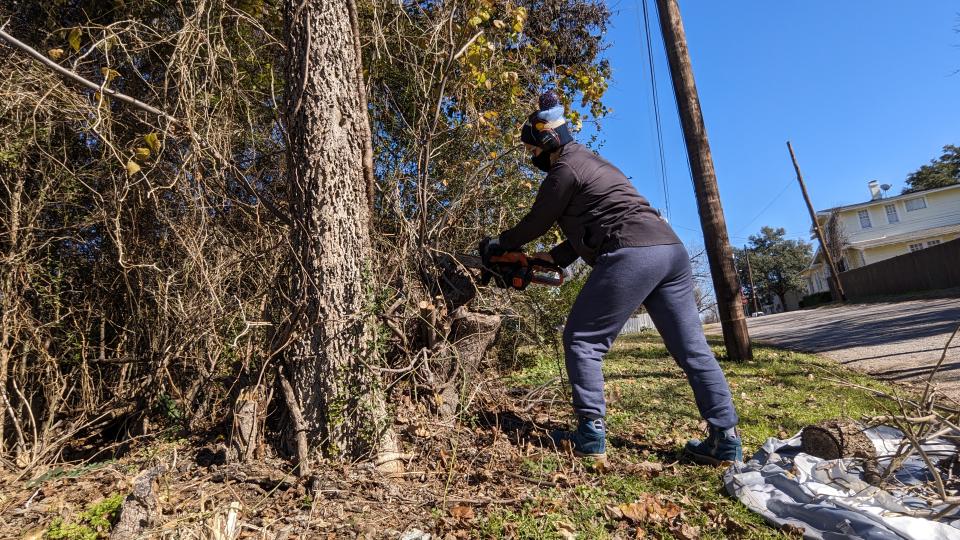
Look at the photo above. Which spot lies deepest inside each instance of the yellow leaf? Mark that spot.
(142, 153)
(498, 24)
(152, 141)
(56, 54)
(475, 21)
(74, 39)
(109, 74)
(493, 155)
(132, 167)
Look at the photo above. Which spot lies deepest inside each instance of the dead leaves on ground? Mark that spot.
(652, 510)
(462, 512)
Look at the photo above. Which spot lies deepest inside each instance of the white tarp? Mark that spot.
(830, 500)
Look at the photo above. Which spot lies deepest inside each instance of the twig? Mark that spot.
(77, 78)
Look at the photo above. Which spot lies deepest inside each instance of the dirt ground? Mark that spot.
(899, 341)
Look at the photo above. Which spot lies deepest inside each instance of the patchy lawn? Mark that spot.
(651, 414)
(492, 473)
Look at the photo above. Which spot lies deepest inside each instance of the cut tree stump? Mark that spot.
(472, 334)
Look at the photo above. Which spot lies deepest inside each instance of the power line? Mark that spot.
(767, 207)
(656, 107)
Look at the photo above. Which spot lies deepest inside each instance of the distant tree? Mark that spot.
(702, 289)
(943, 171)
(776, 262)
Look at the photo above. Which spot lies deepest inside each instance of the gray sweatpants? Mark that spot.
(659, 277)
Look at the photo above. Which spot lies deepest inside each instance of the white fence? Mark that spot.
(637, 324)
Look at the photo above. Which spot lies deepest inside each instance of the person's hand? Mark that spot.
(489, 246)
(543, 256)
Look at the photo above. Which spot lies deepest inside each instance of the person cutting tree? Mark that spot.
(636, 259)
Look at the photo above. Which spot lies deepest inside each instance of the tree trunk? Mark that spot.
(341, 406)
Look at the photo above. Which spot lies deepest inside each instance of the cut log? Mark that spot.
(835, 439)
(141, 506)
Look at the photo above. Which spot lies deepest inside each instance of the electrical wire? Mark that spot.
(656, 107)
(767, 207)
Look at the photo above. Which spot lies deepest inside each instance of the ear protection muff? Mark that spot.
(541, 133)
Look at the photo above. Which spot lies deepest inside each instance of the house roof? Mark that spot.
(886, 200)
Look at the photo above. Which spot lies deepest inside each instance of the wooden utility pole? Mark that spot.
(753, 289)
(836, 288)
(726, 285)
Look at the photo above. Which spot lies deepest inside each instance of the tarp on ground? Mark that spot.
(829, 500)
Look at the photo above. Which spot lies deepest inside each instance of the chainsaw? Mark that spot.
(514, 269)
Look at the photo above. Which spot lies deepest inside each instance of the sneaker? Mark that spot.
(589, 440)
(721, 446)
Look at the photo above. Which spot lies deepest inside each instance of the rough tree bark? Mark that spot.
(340, 405)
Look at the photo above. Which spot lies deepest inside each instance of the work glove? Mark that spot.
(490, 247)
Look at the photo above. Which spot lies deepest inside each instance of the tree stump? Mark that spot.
(471, 335)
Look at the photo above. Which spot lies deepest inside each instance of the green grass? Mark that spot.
(92, 524)
(651, 414)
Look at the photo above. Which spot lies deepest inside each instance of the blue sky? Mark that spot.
(864, 90)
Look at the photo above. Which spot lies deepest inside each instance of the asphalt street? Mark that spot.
(899, 341)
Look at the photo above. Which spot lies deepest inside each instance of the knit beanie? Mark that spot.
(547, 128)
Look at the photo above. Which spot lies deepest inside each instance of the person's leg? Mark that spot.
(673, 308)
(615, 289)
(617, 285)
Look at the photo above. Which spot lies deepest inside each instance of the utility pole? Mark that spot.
(753, 289)
(726, 285)
(836, 288)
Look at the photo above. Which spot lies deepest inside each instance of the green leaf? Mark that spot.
(74, 39)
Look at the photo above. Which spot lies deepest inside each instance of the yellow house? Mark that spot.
(884, 227)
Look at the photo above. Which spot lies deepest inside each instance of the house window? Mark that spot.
(916, 203)
(864, 219)
(892, 216)
(916, 247)
(932, 243)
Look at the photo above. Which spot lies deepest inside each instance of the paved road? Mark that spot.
(900, 341)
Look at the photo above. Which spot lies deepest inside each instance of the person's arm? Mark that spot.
(552, 198)
(563, 254)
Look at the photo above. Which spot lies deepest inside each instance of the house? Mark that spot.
(884, 227)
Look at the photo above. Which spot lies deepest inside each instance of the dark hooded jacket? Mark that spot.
(596, 207)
